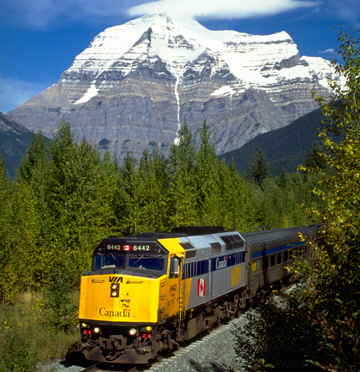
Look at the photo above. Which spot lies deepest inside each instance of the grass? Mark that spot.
(27, 336)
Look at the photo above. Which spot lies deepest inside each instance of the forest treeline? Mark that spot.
(66, 198)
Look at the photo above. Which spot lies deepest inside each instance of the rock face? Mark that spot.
(135, 84)
(14, 141)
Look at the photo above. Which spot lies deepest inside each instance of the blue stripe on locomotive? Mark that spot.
(281, 248)
(197, 268)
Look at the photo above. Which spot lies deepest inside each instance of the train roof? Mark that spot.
(266, 239)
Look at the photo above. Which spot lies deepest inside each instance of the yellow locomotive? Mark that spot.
(148, 293)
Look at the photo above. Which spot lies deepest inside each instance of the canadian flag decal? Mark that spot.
(201, 287)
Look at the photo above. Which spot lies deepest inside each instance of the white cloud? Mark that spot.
(15, 92)
(328, 51)
(42, 13)
(219, 8)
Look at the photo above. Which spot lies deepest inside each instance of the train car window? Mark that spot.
(286, 256)
(215, 248)
(190, 254)
(174, 267)
(272, 260)
(265, 262)
(279, 258)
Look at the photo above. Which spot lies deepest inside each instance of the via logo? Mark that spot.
(115, 279)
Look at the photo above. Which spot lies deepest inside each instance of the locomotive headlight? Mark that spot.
(148, 328)
(132, 331)
(84, 325)
(114, 290)
(96, 330)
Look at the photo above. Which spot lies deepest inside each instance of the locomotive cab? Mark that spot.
(119, 299)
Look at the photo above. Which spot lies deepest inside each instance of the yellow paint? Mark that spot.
(169, 297)
(138, 300)
(253, 266)
(187, 283)
(235, 276)
(173, 246)
(145, 300)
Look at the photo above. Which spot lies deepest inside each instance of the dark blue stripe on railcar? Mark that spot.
(196, 268)
(281, 248)
(222, 262)
(192, 269)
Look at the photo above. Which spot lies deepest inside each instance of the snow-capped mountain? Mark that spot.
(135, 84)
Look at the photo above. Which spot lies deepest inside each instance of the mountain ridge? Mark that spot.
(136, 83)
(283, 149)
(14, 142)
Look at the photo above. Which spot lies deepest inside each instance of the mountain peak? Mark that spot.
(137, 82)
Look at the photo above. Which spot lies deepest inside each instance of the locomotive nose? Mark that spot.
(118, 298)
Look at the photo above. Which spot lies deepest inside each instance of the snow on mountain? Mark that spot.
(253, 59)
(137, 82)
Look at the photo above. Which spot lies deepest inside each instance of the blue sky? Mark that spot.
(40, 38)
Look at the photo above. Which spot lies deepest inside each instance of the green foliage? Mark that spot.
(278, 336)
(26, 339)
(282, 201)
(18, 352)
(319, 327)
(58, 304)
(67, 198)
(258, 171)
(332, 294)
(182, 188)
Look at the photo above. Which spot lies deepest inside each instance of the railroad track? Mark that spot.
(215, 346)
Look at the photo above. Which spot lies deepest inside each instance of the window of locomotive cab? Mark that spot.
(109, 260)
(153, 264)
(143, 262)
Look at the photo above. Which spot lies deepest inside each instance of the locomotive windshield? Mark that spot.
(126, 261)
(142, 257)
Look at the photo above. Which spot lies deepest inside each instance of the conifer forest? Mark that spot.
(66, 198)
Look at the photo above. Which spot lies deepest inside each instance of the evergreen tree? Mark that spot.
(331, 296)
(322, 314)
(208, 189)
(236, 206)
(156, 202)
(257, 170)
(34, 158)
(182, 190)
(79, 198)
(4, 225)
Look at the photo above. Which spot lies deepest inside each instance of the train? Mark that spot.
(149, 293)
